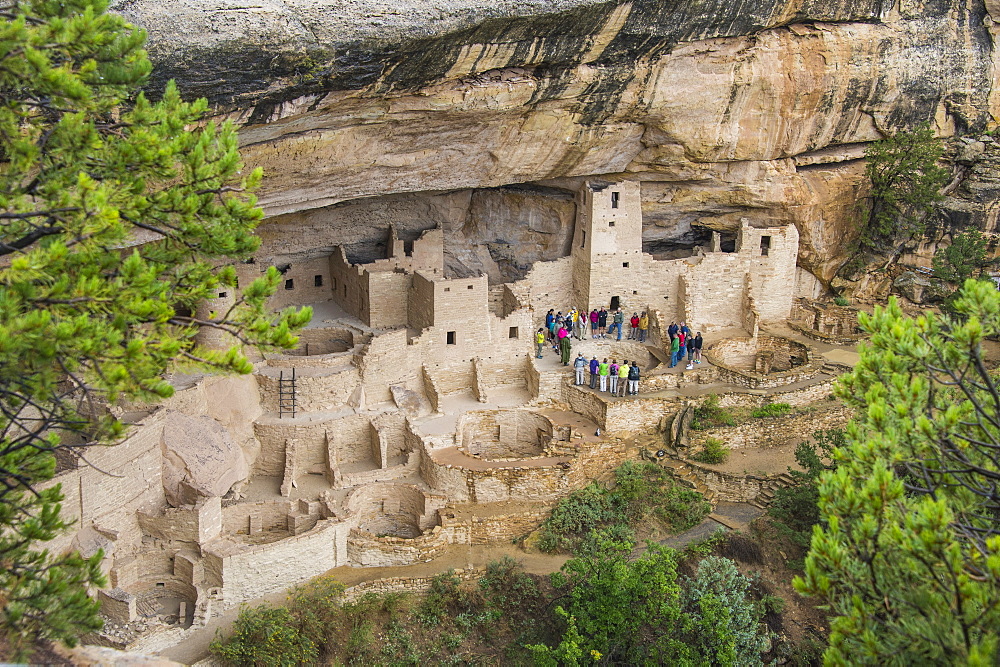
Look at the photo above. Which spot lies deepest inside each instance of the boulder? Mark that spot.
(410, 402)
(911, 285)
(200, 459)
(920, 288)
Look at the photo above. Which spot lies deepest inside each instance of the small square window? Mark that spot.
(512, 333)
(222, 295)
(451, 338)
(318, 281)
(624, 265)
(635, 292)
(611, 224)
(447, 289)
(290, 283)
(470, 287)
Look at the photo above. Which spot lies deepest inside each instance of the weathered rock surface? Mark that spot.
(200, 459)
(726, 110)
(87, 655)
(410, 402)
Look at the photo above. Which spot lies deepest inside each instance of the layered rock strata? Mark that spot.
(726, 110)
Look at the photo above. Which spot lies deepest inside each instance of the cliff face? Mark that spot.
(725, 109)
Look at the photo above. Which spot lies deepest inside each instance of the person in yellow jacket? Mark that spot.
(623, 377)
(643, 327)
(539, 342)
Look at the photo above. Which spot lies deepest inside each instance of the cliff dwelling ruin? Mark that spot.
(412, 396)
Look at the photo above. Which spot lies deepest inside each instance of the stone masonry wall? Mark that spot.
(772, 432)
(248, 572)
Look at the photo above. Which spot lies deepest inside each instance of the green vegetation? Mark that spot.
(771, 410)
(622, 611)
(841, 301)
(907, 552)
(795, 510)
(642, 492)
(715, 451)
(603, 608)
(711, 415)
(87, 315)
(266, 635)
(905, 183)
(965, 258)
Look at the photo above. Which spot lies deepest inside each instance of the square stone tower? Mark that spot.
(607, 243)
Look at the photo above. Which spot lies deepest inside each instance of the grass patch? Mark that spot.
(715, 451)
(711, 415)
(771, 410)
(641, 492)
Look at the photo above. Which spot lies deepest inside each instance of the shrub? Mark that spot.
(841, 301)
(771, 410)
(710, 414)
(725, 620)
(795, 507)
(641, 490)
(446, 595)
(715, 451)
(265, 635)
(315, 606)
(505, 584)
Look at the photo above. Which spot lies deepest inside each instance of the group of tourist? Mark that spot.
(614, 378)
(683, 343)
(601, 322)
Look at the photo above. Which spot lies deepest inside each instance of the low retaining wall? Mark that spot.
(773, 432)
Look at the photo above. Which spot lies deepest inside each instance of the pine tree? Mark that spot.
(908, 554)
(966, 257)
(906, 181)
(117, 219)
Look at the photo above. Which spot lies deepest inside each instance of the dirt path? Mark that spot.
(727, 516)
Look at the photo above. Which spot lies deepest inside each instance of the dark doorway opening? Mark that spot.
(615, 301)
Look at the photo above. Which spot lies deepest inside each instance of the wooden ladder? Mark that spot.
(286, 395)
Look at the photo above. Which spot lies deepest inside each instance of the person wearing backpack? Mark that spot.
(633, 378)
(613, 377)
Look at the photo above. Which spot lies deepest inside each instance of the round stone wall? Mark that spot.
(764, 362)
